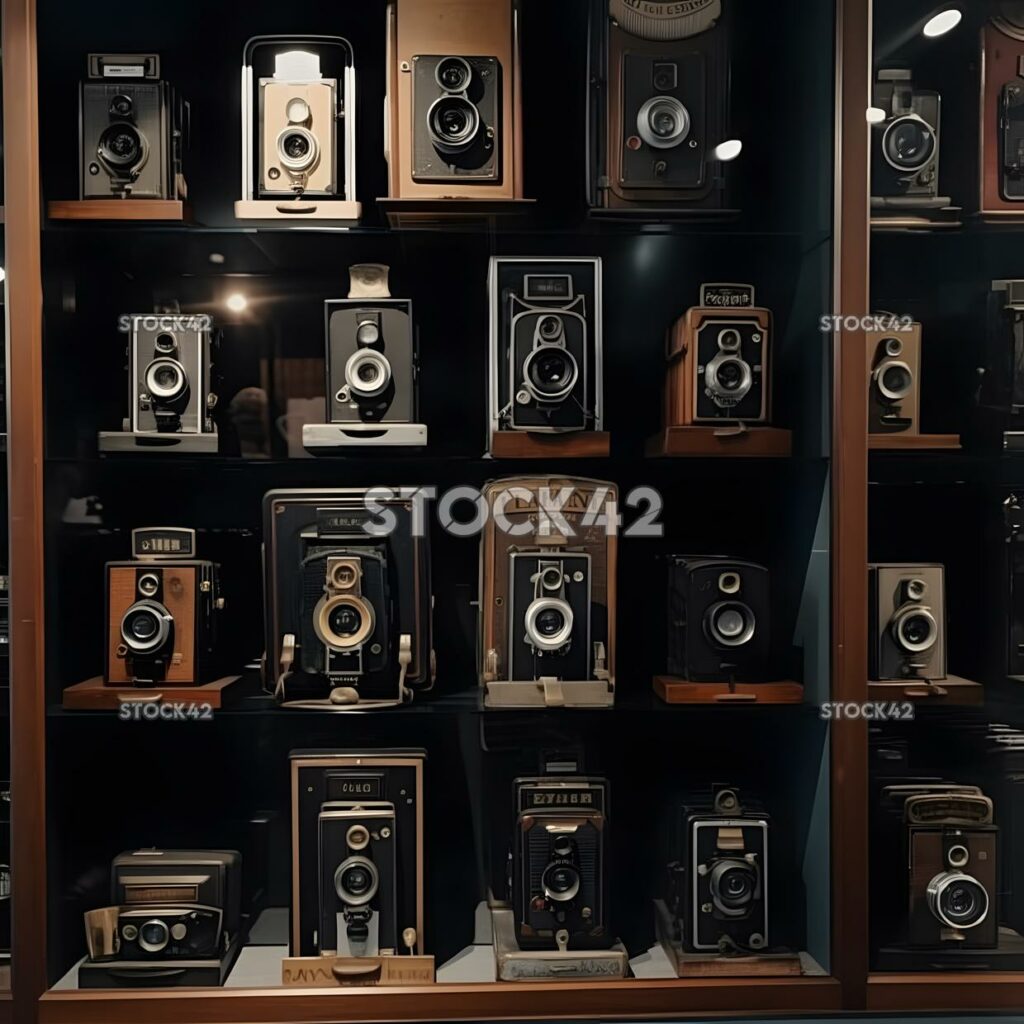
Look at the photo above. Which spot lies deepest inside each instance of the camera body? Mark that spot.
(162, 612)
(357, 848)
(907, 621)
(894, 381)
(559, 874)
(1011, 633)
(348, 611)
(718, 360)
(718, 619)
(547, 593)
(5, 870)
(1001, 397)
(453, 124)
(546, 345)
(659, 104)
(133, 129)
(718, 878)
(905, 145)
(1002, 111)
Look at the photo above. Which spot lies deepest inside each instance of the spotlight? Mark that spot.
(875, 115)
(943, 22)
(216, 258)
(728, 150)
(236, 302)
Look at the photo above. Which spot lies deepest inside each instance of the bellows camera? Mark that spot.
(348, 610)
(454, 99)
(162, 611)
(133, 129)
(718, 360)
(559, 874)
(1002, 109)
(357, 844)
(894, 381)
(371, 366)
(547, 593)
(718, 883)
(718, 626)
(905, 144)
(907, 622)
(176, 919)
(546, 345)
(660, 100)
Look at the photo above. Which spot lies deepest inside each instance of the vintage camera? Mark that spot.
(907, 621)
(162, 611)
(718, 619)
(659, 103)
(894, 381)
(558, 872)
(175, 919)
(134, 128)
(547, 593)
(371, 364)
(718, 879)
(546, 345)
(718, 360)
(1012, 635)
(348, 612)
(5, 631)
(357, 840)
(5, 870)
(453, 114)
(1001, 396)
(1002, 109)
(905, 145)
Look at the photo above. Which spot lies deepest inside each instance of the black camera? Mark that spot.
(1001, 395)
(718, 619)
(133, 130)
(718, 881)
(559, 875)
(905, 143)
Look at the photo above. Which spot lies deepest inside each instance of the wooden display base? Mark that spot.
(118, 209)
(681, 691)
(95, 695)
(919, 219)
(951, 690)
(751, 442)
(715, 965)
(914, 442)
(518, 444)
(433, 214)
(348, 971)
(339, 212)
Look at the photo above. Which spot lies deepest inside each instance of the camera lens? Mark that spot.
(153, 936)
(896, 380)
(550, 327)
(893, 347)
(344, 576)
(733, 885)
(665, 77)
(149, 584)
(729, 377)
(729, 340)
(549, 623)
(663, 122)
(166, 380)
(165, 343)
(454, 74)
(909, 143)
(730, 623)
(551, 578)
(296, 146)
(368, 373)
(345, 620)
(367, 333)
(356, 881)
(297, 149)
(561, 882)
(916, 630)
(121, 106)
(121, 145)
(145, 626)
(957, 900)
(297, 110)
(551, 373)
(453, 123)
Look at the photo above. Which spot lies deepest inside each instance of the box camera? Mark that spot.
(559, 876)
(718, 879)
(348, 608)
(718, 619)
(175, 920)
(1001, 396)
(134, 127)
(357, 842)
(905, 145)
(718, 360)
(659, 103)
(907, 621)
(894, 381)
(546, 345)
(1002, 110)
(371, 365)
(453, 115)
(1012, 584)
(5, 870)
(547, 593)
(162, 611)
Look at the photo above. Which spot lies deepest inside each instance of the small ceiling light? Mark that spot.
(3, 274)
(728, 150)
(943, 22)
(217, 258)
(875, 115)
(236, 302)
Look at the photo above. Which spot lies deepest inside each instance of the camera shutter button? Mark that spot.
(178, 931)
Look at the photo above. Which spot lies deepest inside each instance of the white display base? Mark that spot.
(156, 444)
(311, 209)
(317, 437)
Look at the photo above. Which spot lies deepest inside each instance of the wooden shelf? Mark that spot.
(518, 444)
(951, 690)
(914, 442)
(937, 991)
(95, 695)
(528, 1000)
(751, 442)
(117, 209)
(681, 691)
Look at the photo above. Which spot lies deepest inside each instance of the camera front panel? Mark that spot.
(1002, 115)
(298, 133)
(906, 145)
(358, 912)
(172, 933)
(730, 368)
(894, 381)
(908, 622)
(371, 363)
(456, 128)
(169, 377)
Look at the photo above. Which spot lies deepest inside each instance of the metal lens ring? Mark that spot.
(154, 935)
(453, 123)
(122, 146)
(122, 105)
(549, 623)
(343, 621)
(729, 377)
(149, 584)
(165, 343)
(166, 379)
(730, 339)
(908, 143)
(453, 74)
(550, 328)
(145, 626)
(895, 380)
(915, 629)
(368, 373)
(731, 623)
(356, 881)
(560, 881)
(358, 837)
(550, 373)
(893, 347)
(957, 856)
(297, 149)
(663, 122)
(344, 576)
(729, 583)
(733, 884)
(551, 578)
(958, 900)
(916, 589)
